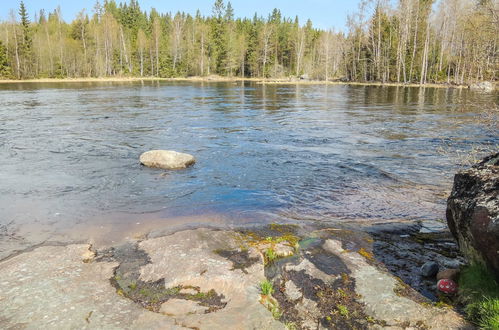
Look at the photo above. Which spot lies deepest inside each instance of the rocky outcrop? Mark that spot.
(166, 159)
(212, 279)
(473, 212)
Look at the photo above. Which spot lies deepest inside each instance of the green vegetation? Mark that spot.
(266, 288)
(270, 256)
(276, 312)
(4, 62)
(479, 291)
(343, 311)
(387, 41)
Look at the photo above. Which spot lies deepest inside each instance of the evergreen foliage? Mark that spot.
(5, 71)
(410, 41)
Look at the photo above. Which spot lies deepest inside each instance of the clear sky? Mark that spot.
(324, 14)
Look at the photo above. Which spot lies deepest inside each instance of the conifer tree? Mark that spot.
(5, 71)
(26, 43)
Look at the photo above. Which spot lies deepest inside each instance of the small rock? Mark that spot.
(452, 274)
(284, 250)
(88, 256)
(292, 291)
(429, 269)
(447, 286)
(166, 159)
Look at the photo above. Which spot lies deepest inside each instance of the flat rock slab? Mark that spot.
(189, 258)
(166, 159)
(52, 288)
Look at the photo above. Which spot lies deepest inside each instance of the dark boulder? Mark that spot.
(473, 212)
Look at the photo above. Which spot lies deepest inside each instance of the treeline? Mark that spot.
(415, 41)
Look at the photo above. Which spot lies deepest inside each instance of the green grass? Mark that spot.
(479, 291)
(343, 311)
(270, 255)
(266, 288)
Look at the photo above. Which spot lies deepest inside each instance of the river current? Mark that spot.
(69, 154)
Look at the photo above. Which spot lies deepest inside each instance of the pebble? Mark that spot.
(429, 269)
(452, 274)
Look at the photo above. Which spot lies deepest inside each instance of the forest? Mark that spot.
(403, 41)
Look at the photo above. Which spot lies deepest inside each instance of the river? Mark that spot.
(69, 155)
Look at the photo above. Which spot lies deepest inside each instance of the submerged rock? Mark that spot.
(473, 212)
(166, 159)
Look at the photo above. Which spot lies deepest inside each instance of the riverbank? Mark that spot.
(278, 276)
(284, 81)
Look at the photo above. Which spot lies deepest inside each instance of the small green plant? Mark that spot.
(342, 293)
(291, 326)
(270, 255)
(343, 311)
(266, 288)
(172, 291)
(133, 286)
(276, 312)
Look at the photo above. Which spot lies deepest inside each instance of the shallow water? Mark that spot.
(69, 153)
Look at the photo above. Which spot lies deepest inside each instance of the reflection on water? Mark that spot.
(69, 152)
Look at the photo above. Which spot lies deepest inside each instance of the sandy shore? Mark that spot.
(285, 81)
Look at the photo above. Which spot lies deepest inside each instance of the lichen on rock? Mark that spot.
(473, 212)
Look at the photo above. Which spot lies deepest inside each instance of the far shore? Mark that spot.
(270, 81)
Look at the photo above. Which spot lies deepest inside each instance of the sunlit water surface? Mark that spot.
(69, 154)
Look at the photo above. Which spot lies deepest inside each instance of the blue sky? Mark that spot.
(323, 13)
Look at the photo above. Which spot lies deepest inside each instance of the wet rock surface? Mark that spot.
(325, 278)
(406, 247)
(473, 212)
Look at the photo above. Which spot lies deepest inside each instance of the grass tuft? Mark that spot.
(479, 290)
(270, 256)
(266, 288)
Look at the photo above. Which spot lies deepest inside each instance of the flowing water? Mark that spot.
(69, 154)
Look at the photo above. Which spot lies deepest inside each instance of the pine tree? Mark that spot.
(5, 71)
(218, 44)
(26, 43)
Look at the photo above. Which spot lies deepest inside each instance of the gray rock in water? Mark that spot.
(429, 269)
(473, 212)
(166, 159)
